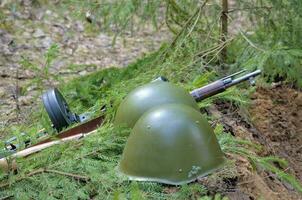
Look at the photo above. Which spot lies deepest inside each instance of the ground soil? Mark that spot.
(277, 113)
(274, 120)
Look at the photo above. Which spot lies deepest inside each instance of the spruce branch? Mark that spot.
(186, 25)
(250, 42)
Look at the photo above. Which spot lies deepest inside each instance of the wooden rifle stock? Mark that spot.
(208, 90)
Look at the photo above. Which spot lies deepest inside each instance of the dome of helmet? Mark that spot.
(171, 144)
(148, 96)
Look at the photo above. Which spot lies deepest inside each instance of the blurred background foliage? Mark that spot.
(262, 34)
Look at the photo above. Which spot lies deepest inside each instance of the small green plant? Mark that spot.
(44, 76)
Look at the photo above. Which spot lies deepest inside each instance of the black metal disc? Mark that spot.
(57, 109)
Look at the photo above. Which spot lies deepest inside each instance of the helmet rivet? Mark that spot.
(194, 171)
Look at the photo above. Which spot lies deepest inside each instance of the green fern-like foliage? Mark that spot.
(275, 43)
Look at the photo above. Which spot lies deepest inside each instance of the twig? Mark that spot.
(167, 20)
(74, 176)
(216, 55)
(17, 89)
(187, 23)
(213, 49)
(264, 177)
(44, 170)
(164, 54)
(224, 29)
(216, 48)
(250, 42)
(211, 30)
(6, 197)
(15, 77)
(197, 18)
(250, 8)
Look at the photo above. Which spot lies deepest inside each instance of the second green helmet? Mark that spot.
(171, 144)
(153, 94)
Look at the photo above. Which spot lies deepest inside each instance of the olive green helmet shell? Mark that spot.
(148, 96)
(171, 144)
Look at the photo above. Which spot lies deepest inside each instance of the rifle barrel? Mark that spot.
(221, 85)
(243, 78)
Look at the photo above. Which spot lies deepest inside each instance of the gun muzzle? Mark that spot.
(245, 77)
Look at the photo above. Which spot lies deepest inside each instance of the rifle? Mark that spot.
(61, 117)
(221, 85)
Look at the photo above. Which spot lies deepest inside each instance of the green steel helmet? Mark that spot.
(172, 144)
(148, 96)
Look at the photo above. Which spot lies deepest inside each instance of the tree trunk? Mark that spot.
(224, 28)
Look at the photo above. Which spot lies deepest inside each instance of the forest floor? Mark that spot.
(28, 31)
(273, 120)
